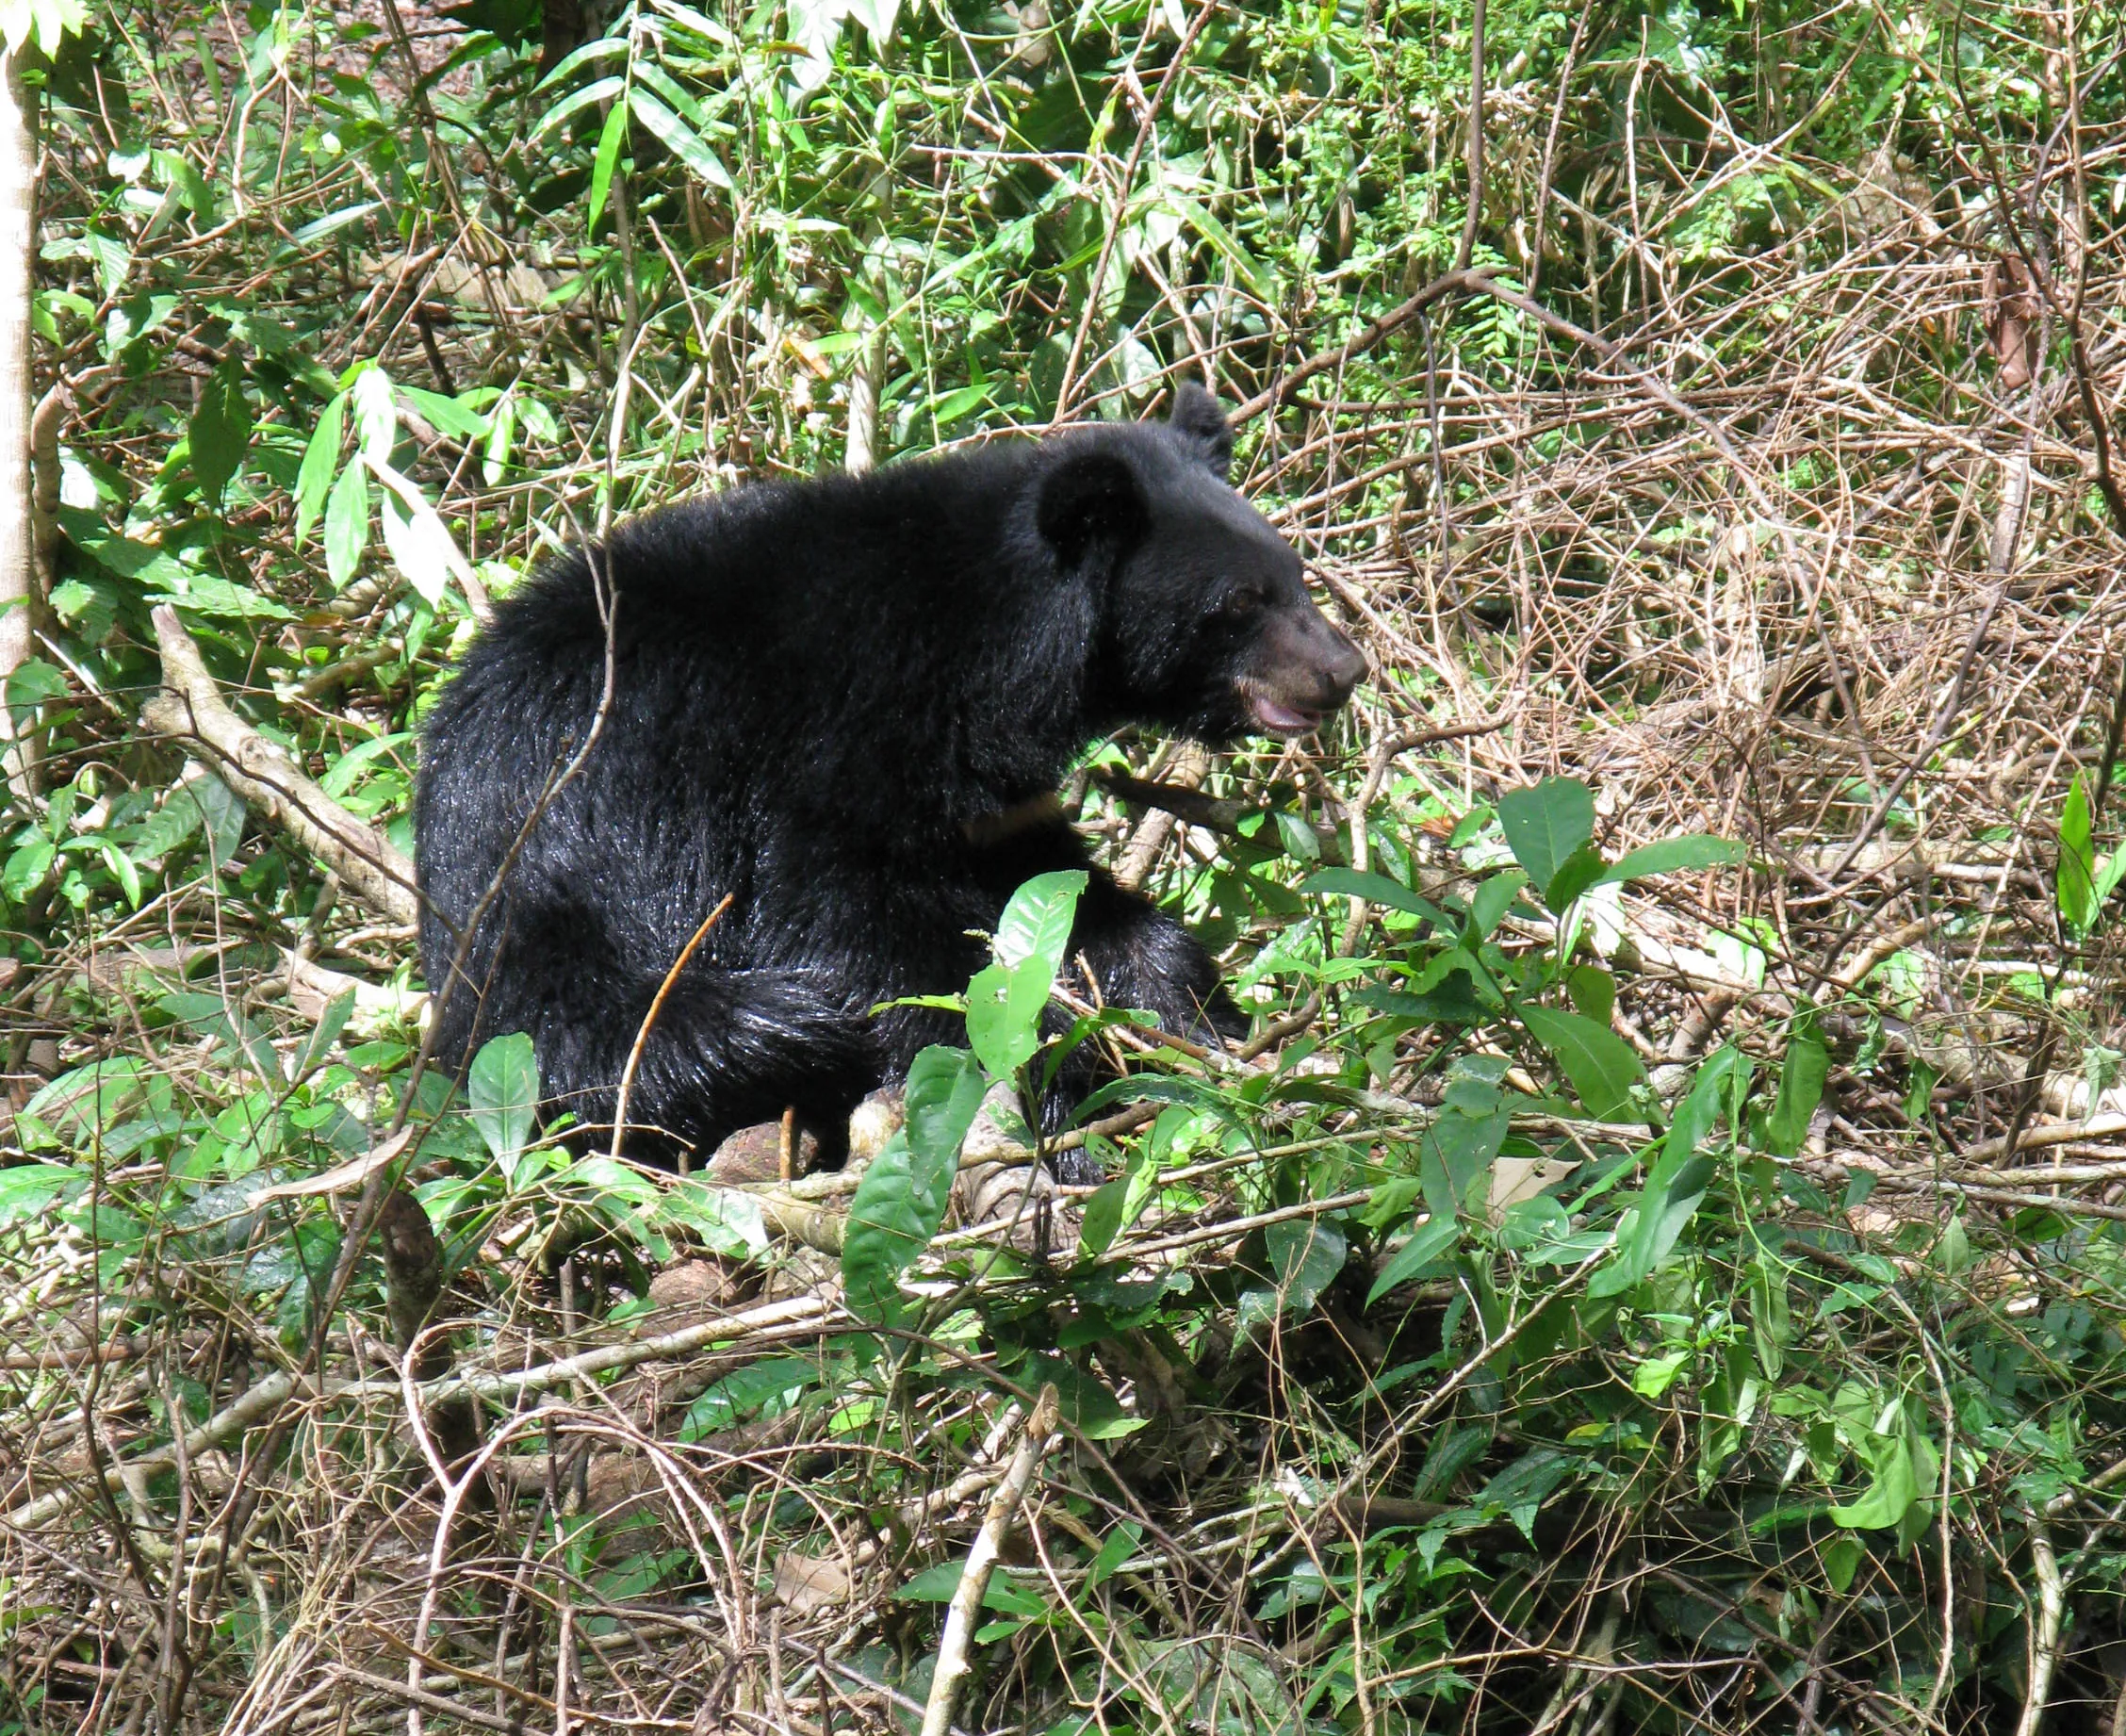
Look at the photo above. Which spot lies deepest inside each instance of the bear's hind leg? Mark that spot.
(726, 1049)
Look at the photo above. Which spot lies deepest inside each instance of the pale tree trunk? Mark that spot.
(17, 541)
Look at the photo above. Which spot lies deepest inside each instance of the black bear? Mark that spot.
(839, 703)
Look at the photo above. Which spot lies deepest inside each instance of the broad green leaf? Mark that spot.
(347, 524)
(122, 869)
(1801, 1085)
(681, 139)
(1374, 889)
(1435, 1239)
(1306, 1254)
(32, 683)
(2077, 863)
(943, 1097)
(169, 825)
(318, 458)
(1489, 902)
(1674, 855)
(1677, 1183)
(1599, 1063)
(376, 410)
(332, 223)
(1004, 1015)
(1007, 999)
(1115, 1205)
(30, 1190)
(887, 1228)
(27, 866)
(1544, 823)
(1456, 1154)
(1222, 241)
(1594, 992)
(1891, 1493)
(501, 441)
(1035, 928)
(606, 160)
(905, 1194)
(324, 1035)
(222, 810)
(1118, 1545)
(419, 543)
(220, 430)
(1579, 871)
(445, 415)
(503, 1089)
(1699, 1112)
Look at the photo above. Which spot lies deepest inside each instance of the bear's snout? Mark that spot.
(1304, 671)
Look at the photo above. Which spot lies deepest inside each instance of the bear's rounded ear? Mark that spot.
(1198, 419)
(1090, 496)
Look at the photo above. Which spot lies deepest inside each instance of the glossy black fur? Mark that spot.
(820, 691)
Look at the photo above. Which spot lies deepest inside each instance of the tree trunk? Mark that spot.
(18, 543)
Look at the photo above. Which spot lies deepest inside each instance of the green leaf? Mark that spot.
(944, 1095)
(445, 415)
(1679, 1182)
(1456, 1154)
(1489, 902)
(1222, 241)
(1599, 1063)
(1546, 824)
(222, 810)
(1007, 999)
(504, 1089)
(1116, 1549)
(347, 524)
(681, 139)
(1582, 869)
(1374, 889)
(318, 458)
(220, 430)
(1004, 1015)
(905, 1194)
(1306, 1256)
(607, 158)
(122, 869)
(1594, 992)
(324, 1035)
(1674, 855)
(26, 867)
(1801, 1086)
(886, 1231)
(1114, 1205)
(30, 1189)
(32, 683)
(1893, 1490)
(1435, 1239)
(2077, 863)
(1035, 929)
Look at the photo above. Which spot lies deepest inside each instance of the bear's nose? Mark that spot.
(1344, 666)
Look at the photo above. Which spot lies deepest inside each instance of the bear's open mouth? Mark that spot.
(1279, 716)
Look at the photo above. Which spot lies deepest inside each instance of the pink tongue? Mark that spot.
(1275, 716)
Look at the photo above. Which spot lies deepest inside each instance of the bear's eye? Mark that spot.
(1239, 605)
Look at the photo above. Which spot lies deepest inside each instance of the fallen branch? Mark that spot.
(981, 1560)
(190, 709)
(2044, 1630)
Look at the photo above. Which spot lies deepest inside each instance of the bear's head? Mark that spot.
(1205, 627)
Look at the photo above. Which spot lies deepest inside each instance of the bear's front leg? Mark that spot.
(1140, 957)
